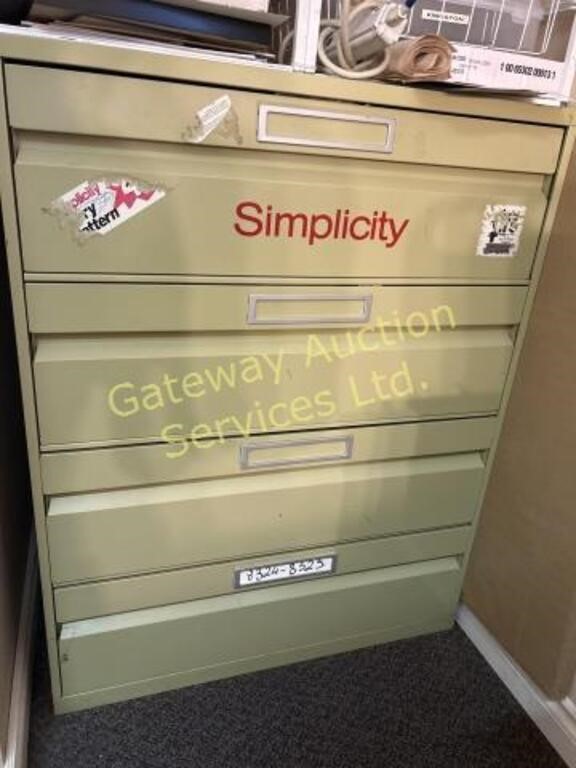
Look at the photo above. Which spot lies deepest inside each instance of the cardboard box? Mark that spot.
(503, 70)
(521, 580)
(497, 46)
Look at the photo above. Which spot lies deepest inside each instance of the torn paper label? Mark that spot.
(501, 230)
(97, 207)
(209, 118)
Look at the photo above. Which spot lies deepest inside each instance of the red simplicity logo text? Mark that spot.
(255, 220)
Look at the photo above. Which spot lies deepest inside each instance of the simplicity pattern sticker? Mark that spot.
(501, 230)
(98, 207)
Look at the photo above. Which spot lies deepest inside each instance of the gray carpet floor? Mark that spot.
(430, 702)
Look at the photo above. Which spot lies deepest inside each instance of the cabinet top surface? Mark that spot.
(18, 44)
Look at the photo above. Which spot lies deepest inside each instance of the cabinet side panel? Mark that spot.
(12, 241)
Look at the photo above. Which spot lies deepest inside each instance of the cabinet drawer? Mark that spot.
(85, 601)
(227, 635)
(64, 103)
(96, 390)
(137, 465)
(110, 208)
(114, 533)
(75, 308)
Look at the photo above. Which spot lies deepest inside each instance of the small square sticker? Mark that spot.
(501, 230)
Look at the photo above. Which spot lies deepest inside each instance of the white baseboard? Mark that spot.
(17, 747)
(556, 719)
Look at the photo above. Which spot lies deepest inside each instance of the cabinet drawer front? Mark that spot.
(64, 102)
(110, 468)
(311, 617)
(96, 390)
(77, 308)
(117, 533)
(214, 212)
(85, 601)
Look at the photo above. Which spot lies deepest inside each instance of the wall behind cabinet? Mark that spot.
(15, 504)
(522, 578)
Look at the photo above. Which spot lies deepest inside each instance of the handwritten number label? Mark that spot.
(294, 569)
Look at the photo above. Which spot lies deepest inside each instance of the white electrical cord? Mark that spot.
(347, 65)
(391, 22)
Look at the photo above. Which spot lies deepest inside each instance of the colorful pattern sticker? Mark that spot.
(97, 207)
(501, 230)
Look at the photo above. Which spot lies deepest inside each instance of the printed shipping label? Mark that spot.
(472, 65)
(97, 207)
(444, 16)
(295, 569)
(501, 230)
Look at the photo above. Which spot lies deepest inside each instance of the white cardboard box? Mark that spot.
(550, 75)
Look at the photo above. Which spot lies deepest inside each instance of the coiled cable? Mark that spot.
(335, 36)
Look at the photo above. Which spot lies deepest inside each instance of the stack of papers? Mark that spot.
(228, 25)
(229, 6)
(70, 33)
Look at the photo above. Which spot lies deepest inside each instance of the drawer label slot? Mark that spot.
(289, 570)
(299, 452)
(298, 126)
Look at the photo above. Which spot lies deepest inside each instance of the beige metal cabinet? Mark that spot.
(290, 622)
(162, 110)
(103, 598)
(93, 537)
(96, 391)
(266, 214)
(264, 357)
